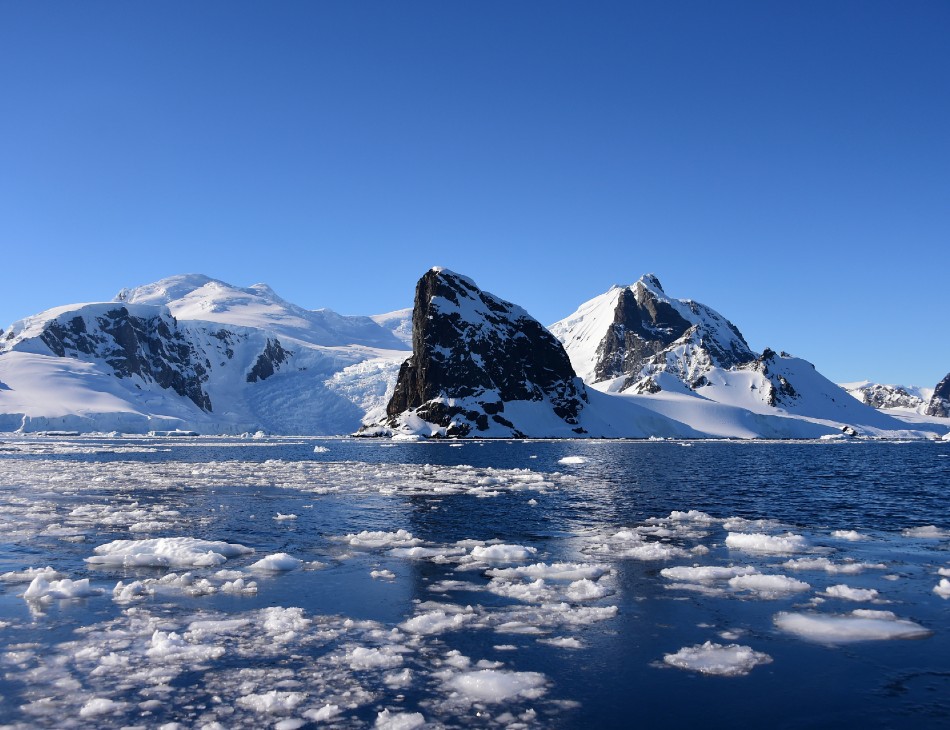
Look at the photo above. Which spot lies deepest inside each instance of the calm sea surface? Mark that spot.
(447, 624)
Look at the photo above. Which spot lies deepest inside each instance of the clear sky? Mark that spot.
(787, 163)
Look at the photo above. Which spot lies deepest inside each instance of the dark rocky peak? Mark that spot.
(940, 401)
(473, 353)
(647, 322)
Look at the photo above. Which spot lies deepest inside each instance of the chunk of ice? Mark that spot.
(730, 660)
(859, 625)
(166, 552)
(757, 542)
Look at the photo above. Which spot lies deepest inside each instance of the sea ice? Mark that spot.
(362, 657)
(846, 568)
(730, 660)
(585, 590)
(706, 573)
(848, 593)
(41, 589)
(942, 589)
(387, 720)
(929, 532)
(859, 625)
(27, 575)
(272, 701)
(166, 552)
(436, 622)
(572, 460)
(767, 586)
(100, 706)
(276, 562)
(379, 539)
(757, 542)
(552, 571)
(850, 535)
(495, 685)
(502, 553)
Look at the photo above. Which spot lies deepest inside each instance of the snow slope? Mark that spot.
(684, 360)
(233, 360)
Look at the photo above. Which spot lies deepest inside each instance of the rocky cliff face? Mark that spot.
(147, 344)
(940, 402)
(481, 366)
(629, 334)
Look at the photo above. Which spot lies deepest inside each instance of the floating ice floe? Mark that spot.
(757, 542)
(496, 685)
(438, 621)
(847, 593)
(767, 586)
(272, 701)
(730, 660)
(573, 460)
(166, 552)
(502, 553)
(276, 562)
(28, 574)
(280, 517)
(859, 625)
(927, 532)
(849, 535)
(382, 574)
(706, 573)
(829, 566)
(942, 589)
(41, 589)
(387, 720)
(374, 539)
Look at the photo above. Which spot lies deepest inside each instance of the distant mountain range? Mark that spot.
(194, 353)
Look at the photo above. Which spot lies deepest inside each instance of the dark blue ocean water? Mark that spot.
(617, 679)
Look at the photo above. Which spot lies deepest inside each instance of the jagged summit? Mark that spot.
(481, 366)
(630, 333)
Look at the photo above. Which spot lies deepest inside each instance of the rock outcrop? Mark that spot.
(627, 336)
(940, 401)
(481, 366)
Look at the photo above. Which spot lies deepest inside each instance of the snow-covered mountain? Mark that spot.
(621, 339)
(195, 353)
(481, 366)
(682, 356)
(198, 297)
(886, 397)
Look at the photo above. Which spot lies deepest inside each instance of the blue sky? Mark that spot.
(786, 163)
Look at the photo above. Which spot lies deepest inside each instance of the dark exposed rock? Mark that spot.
(473, 347)
(780, 391)
(652, 333)
(940, 401)
(268, 361)
(150, 347)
